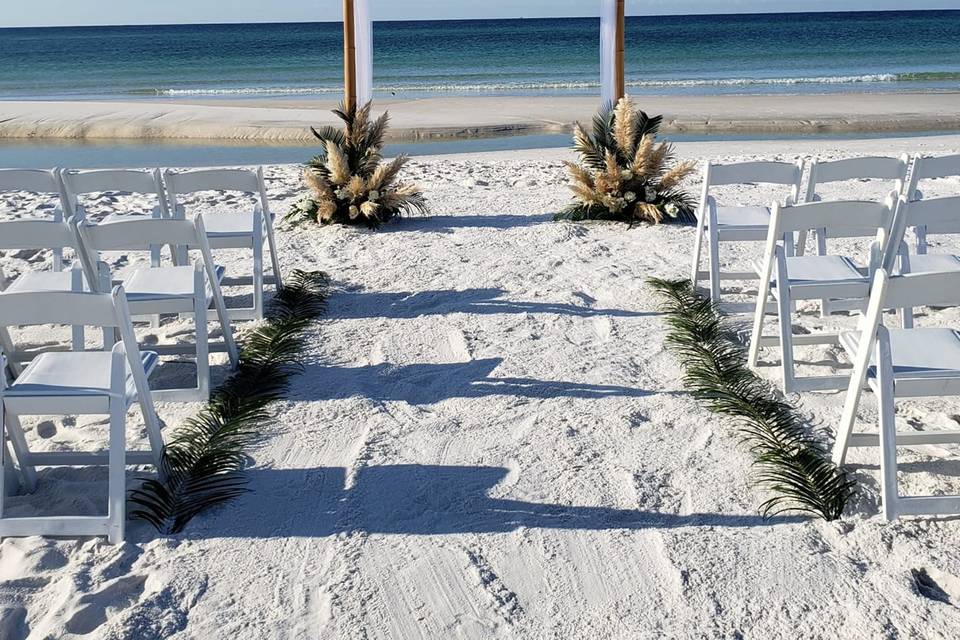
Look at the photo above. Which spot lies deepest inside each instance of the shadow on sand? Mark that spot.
(428, 383)
(433, 500)
(446, 224)
(363, 304)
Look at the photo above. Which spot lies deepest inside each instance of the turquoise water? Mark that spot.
(774, 53)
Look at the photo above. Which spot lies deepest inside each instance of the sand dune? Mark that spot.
(456, 117)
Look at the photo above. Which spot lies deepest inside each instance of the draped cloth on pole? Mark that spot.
(608, 50)
(363, 34)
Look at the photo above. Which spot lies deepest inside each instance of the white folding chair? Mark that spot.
(893, 171)
(78, 184)
(40, 181)
(230, 229)
(790, 278)
(167, 289)
(934, 216)
(902, 363)
(104, 382)
(893, 174)
(726, 223)
(929, 168)
(39, 234)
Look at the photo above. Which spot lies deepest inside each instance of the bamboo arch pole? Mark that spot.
(349, 56)
(619, 64)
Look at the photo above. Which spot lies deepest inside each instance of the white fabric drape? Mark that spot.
(608, 50)
(363, 34)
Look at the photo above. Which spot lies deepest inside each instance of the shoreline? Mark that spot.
(451, 118)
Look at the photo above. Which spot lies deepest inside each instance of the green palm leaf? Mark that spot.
(202, 464)
(790, 459)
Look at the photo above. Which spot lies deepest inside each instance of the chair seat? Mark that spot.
(743, 218)
(228, 224)
(72, 375)
(818, 270)
(916, 353)
(934, 262)
(163, 283)
(44, 281)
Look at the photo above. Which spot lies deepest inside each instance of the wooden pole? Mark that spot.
(349, 57)
(619, 67)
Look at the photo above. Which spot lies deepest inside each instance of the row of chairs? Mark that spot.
(719, 223)
(250, 229)
(904, 361)
(109, 381)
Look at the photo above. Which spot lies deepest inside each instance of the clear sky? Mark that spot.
(18, 13)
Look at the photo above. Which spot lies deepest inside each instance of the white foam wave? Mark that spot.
(537, 86)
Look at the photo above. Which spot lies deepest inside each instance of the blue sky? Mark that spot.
(86, 12)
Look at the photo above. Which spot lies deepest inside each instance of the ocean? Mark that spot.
(746, 54)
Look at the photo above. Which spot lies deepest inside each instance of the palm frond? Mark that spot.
(202, 464)
(789, 459)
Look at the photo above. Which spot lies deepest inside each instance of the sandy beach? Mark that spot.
(490, 440)
(477, 116)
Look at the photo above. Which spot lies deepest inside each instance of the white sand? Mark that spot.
(458, 117)
(490, 441)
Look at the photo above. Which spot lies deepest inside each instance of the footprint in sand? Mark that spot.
(92, 611)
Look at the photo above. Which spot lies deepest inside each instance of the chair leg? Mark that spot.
(19, 441)
(697, 249)
(7, 346)
(258, 280)
(714, 265)
(888, 429)
(784, 319)
(116, 475)
(274, 258)
(906, 317)
(763, 294)
(203, 340)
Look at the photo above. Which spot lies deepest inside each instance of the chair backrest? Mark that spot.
(930, 168)
(33, 308)
(759, 172)
(865, 168)
(833, 215)
(35, 234)
(32, 180)
(136, 234)
(78, 183)
(921, 289)
(936, 215)
(244, 180)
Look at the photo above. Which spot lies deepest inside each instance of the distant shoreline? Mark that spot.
(451, 118)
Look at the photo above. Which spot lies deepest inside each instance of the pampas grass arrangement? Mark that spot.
(202, 465)
(623, 174)
(349, 182)
(791, 462)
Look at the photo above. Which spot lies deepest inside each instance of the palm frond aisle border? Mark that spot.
(790, 460)
(202, 465)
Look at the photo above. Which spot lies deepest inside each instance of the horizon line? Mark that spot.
(648, 15)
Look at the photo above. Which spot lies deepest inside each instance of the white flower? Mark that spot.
(373, 196)
(341, 194)
(629, 196)
(672, 210)
(354, 212)
(626, 174)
